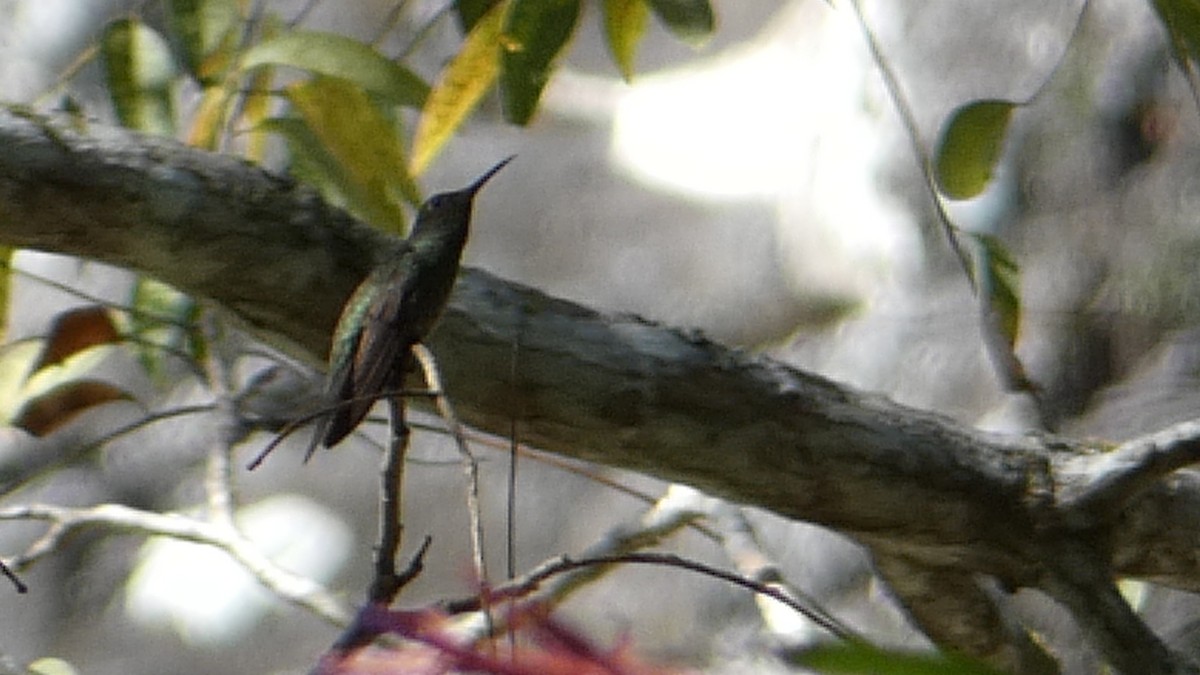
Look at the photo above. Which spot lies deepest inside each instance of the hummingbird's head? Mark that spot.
(454, 208)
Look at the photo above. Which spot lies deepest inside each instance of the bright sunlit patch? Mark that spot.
(787, 118)
(749, 122)
(208, 597)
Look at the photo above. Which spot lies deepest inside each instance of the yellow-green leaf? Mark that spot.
(257, 104)
(6, 254)
(365, 144)
(140, 69)
(206, 35)
(624, 25)
(209, 119)
(255, 109)
(997, 280)
(341, 57)
(535, 31)
(999, 283)
(162, 324)
(690, 20)
(311, 163)
(51, 666)
(969, 147)
(462, 84)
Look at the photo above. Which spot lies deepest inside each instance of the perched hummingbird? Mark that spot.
(393, 309)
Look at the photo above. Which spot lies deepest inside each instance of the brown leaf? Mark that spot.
(43, 414)
(74, 331)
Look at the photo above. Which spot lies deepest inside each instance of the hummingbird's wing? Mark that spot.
(375, 365)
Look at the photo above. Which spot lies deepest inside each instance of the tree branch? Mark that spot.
(616, 390)
(296, 589)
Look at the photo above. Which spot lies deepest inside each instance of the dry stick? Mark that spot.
(8, 486)
(433, 379)
(535, 578)
(218, 479)
(388, 24)
(514, 446)
(298, 590)
(16, 581)
(387, 584)
(387, 581)
(302, 15)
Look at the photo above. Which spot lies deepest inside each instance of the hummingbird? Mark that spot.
(394, 308)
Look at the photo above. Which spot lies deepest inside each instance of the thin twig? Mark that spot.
(12, 577)
(82, 59)
(95, 299)
(296, 589)
(912, 131)
(1007, 366)
(66, 457)
(668, 516)
(752, 562)
(433, 380)
(389, 23)
(218, 477)
(253, 21)
(423, 32)
(302, 15)
(298, 423)
(532, 581)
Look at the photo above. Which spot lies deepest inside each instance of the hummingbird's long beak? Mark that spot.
(474, 187)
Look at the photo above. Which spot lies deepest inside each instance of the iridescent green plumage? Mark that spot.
(393, 309)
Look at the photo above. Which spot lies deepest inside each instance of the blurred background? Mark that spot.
(760, 189)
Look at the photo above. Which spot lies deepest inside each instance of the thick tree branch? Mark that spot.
(613, 389)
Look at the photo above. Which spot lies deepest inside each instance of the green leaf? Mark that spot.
(856, 658)
(365, 145)
(1181, 18)
(469, 12)
(690, 20)
(6, 255)
(208, 121)
(624, 25)
(206, 33)
(139, 69)
(256, 108)
(999, 283)
(162, 324)
(970, 145)
(462, 84)
(339, 56)
(313, 164)
(534, 33)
